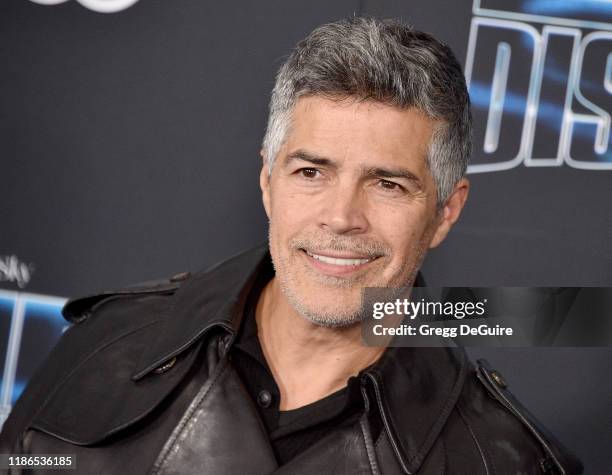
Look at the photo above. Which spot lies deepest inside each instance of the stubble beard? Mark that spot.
(340, 313)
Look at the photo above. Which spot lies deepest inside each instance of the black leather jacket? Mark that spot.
(142, 383)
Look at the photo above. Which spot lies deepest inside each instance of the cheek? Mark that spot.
(406, 235)
(401, 228)
(292, 212)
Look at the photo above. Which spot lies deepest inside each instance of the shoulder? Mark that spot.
(504, 432)
(108, 333)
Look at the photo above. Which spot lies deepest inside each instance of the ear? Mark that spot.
(264, 183)
(451, 211)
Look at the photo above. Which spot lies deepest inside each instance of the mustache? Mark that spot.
(318, 242)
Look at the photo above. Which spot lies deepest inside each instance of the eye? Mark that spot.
(309, 173)
(390, 185)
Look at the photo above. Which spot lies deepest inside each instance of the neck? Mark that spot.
(308, 361)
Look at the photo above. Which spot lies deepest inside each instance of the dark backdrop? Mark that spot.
(129, 151)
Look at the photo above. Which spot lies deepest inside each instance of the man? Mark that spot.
(257, 365)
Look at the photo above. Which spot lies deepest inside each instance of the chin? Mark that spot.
(331, 312)
(327, 319)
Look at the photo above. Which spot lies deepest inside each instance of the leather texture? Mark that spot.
(143, 383)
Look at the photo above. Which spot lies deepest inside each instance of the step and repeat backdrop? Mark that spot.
(129, 141)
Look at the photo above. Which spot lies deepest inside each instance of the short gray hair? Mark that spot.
(385, 61)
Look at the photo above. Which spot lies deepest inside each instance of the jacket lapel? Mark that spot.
(414, 391)
(219, 433)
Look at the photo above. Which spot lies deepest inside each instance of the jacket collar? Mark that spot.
(413, 389)
(210, 300)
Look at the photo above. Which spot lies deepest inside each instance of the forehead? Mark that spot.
(360, 132)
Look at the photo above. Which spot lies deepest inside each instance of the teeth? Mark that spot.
(338, 261)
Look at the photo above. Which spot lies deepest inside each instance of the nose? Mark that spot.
(344, 210)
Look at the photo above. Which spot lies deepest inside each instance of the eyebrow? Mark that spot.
(310, 158)
(370, 172)
(391, 172)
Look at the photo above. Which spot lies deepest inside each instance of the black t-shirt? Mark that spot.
(291, 432)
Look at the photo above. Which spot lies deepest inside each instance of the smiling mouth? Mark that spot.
(344, 261)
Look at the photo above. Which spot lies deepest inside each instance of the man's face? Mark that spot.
(351, 204)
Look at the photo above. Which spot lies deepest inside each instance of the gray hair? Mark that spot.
(385, 61)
